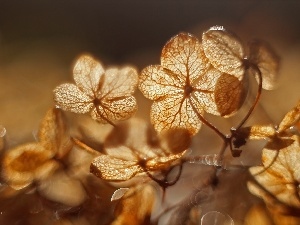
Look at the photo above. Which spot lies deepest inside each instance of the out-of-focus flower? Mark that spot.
(107, 94)
(31, 162)
(136, 206)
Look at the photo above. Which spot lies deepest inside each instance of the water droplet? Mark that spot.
(216, 218)
(2, 131)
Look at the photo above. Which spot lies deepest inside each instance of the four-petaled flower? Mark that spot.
(186, 84)
(107, 94)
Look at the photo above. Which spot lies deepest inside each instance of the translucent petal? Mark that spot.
(157, 82)
(53, 133)
(115, 109)
(174, 112)
(258, 132)
(229, 94)
(281, 173)
(119, 83)
(71, 192)
(88, 74)
(164, 162)
(70, 98)
(114, 169)
(204, 94)
(121, 152)
(290, 119)
(219, 93)
(183, 55)
(262, 55)
(224, 51)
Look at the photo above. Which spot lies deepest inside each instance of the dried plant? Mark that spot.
(195, 76)
(107, 94)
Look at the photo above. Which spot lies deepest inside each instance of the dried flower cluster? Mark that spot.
(194, 77)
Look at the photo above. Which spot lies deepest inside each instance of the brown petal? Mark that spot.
(224, 51)
(229, 94)
(136, 206)
(88, 74)
(19, 164)
(183, 55)
(267, 61)
(114, 169)
(53, 133)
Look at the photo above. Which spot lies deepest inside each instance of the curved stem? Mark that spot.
(256, 98)
(211, 126)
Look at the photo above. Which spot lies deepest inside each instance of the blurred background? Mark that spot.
(40, 40)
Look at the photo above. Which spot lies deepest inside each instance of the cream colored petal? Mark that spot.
(204, 94)
(157, 82)
(88, 74)
(174, 112)
(183, 55)
(121, 152)
(68, 97)
(262, 55)
(224, 51)
(115, 110)
(290, 119)
(281, 173)
(164, 162)
(258, 132)
(63, 189)
(118, 83)
(114, 169)
(219, 93)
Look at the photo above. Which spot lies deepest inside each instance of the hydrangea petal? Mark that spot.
(88, 74)
(262, 55)
(224, 51)
(110, 168)
(115, 110)
(184, 56)
(174, 112)
(157, 82)
(119, 83)
(70, 98)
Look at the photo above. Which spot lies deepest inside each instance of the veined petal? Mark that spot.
(174, 112)
(204, 94)
(70, 98)
(157, 82)
(118, 83)
(224, 51)
(114, 169)
(88, 74)
(280, 174)
(183, 55)
(163, 162)
(115, 109)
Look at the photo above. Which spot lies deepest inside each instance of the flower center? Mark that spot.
(96, 102)
(188, 89)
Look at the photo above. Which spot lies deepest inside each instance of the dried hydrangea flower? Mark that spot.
(35, 161)
(226, 53)
(280, 174)
(185, 85)
(107, 94)
(277, 137)
(131, 149)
